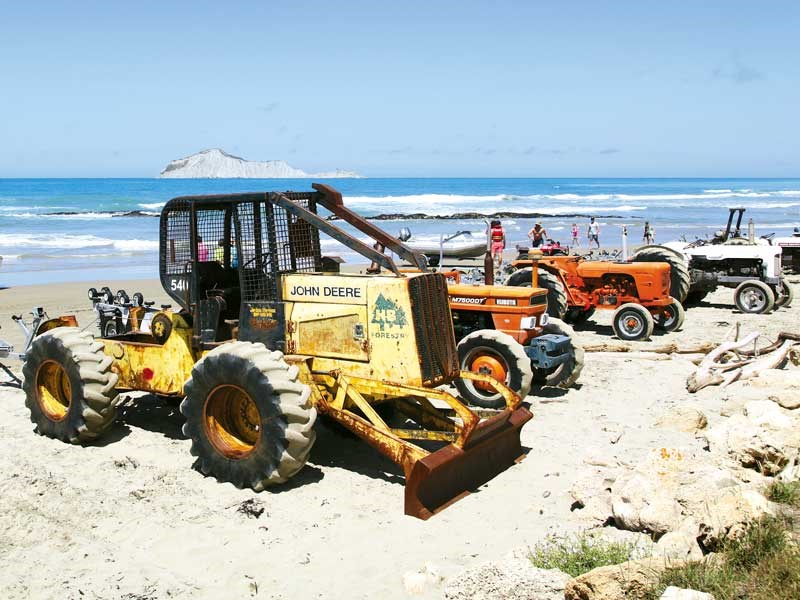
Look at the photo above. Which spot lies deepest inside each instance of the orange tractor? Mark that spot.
(639, 293)
(505, 332)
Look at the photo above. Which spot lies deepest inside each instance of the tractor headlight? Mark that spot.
(544, 320)
(527, 323)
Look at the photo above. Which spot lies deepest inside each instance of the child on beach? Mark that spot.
(498, 242)
(576, 242)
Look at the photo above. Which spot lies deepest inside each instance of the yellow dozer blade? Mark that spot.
(473, 450)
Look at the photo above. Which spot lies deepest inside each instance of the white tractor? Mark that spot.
(751, 266)
(790, 249)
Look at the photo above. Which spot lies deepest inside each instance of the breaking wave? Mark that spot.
(71, 241)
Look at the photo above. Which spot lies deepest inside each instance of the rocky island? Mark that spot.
(217, 164)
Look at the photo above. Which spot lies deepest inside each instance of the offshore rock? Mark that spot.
(216, 164)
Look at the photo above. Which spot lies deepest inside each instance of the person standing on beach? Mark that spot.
(498, 242)
(593, 233)
(576, 242)
(537, 235)
(649, 233)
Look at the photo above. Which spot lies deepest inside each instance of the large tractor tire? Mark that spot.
(497, 354)
(567, 373)
(680, 280)
(248, 417)
(632, 322)
(674, 318)
(69, 386)
(556, 294)
(784, 300)
(754, 297)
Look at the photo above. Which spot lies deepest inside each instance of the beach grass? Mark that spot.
(762, 564)
(579, 554)
(785, 492)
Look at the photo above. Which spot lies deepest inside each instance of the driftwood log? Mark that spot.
(665, 349)
(742, 359)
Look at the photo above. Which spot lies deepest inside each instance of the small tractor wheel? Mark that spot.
(632, 322)
(695, 298)
(106, 295)
(556, 295)
(679, 277)
(497, 354)
(566, 374)
(754, 296)
(673, 319)
(784, 299)
(69, 386)
(248, 417)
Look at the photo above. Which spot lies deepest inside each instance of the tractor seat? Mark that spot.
(211, 275)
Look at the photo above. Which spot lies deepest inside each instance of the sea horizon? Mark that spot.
(74, 229)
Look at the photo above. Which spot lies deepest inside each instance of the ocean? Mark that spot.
(56, 230)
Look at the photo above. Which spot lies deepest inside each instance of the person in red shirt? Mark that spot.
(498, 242)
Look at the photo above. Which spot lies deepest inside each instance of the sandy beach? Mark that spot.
(130, 518)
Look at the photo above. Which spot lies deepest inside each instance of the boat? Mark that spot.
(462, 244)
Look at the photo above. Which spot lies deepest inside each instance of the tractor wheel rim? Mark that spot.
(670, 314)
(755, 299)
(232, 421)
(632, 324)
(53, 390)
(487, 364)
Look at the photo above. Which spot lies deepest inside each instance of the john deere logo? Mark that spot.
(387, 314)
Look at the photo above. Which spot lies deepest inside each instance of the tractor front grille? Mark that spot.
(433, 325)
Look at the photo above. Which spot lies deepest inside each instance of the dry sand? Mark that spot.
(130, 518)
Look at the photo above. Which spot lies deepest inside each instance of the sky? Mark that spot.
(446, 88)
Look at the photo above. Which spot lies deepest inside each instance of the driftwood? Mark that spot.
(783, 336)
(736, 359)
(665, 349)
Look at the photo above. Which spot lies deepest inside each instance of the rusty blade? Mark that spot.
(450, 473)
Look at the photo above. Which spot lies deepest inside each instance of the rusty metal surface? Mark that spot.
(62, 321)
(477, 451)
(447, 475)
(512, 398)
(152, 367)
(433, 327)
(332, 200)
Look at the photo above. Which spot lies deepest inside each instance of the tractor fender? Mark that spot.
(62, 321)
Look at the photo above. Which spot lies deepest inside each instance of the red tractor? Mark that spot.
(639, 293)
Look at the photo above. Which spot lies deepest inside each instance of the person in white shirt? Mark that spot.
(593, 233)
